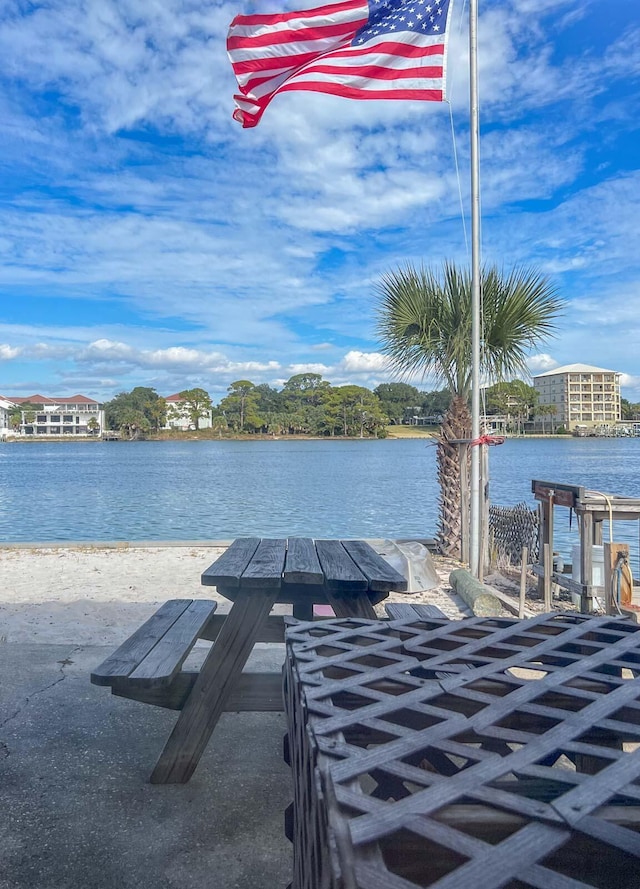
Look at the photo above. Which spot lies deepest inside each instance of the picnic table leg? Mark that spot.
(352, 605)
(205, 704)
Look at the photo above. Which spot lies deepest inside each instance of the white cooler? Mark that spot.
(597, 561)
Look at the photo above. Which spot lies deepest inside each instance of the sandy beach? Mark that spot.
(99, 594)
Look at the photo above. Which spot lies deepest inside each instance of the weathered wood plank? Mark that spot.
(381, 575)
(410, 611)
(258, 692)
(254, 692)
(271, 630)
(340, 571)
(303, 609)
(211, 691)
(353, 605)
(229, 567)
(127, 657)
(167, 656)
(264, 571)
(563, 580)
(302, 564)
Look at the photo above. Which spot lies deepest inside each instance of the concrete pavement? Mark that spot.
(77, 811)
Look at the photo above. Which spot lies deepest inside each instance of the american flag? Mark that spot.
(384, 49)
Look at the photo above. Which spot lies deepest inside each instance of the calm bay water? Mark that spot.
(207, 490)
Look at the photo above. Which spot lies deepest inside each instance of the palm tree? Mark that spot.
(15, 418)
(545, 410)
(424, 324)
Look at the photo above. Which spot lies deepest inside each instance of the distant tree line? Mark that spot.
(630, 411)
(306, 405)
(309, 405)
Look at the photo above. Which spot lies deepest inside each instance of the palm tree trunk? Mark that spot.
(455, 426)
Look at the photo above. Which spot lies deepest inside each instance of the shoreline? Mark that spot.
(59, 439)
(190, 437)
(120, 545)
(98, 595)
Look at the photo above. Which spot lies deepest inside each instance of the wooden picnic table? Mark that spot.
(480, 753)
(255, 574)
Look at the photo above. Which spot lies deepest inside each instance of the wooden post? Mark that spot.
(597, 532)
(541, 539)
(548, 567)
(523, 581)
(546, 534)
(480, 598)
(612, 553)
(586, 562)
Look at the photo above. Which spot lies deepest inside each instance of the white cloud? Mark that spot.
(309, 368)
(365, 362)
(540, 363)
(123, 64)
(106, 350)
(173, 358)
(627, 381)
(8, 352)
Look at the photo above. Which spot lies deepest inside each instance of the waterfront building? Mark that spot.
(178, 415)
(41, 415)
(586, 398)
(5, 423)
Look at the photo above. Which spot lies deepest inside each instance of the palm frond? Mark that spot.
(424, 321)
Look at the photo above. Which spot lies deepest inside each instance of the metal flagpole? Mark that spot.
(476, 450)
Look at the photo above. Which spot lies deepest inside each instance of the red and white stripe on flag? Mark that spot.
(399, 53)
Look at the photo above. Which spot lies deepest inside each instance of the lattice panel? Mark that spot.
(511, 528)
(475, 753)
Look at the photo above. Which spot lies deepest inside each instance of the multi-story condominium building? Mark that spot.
(77, 415)
(584, 397)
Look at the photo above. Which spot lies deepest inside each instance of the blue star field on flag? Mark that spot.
(391, 16)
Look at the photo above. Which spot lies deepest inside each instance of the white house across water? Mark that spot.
(41, 415)
(178, 415)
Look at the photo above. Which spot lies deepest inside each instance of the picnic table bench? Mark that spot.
(254, 574)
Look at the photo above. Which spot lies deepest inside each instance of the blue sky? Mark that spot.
(146, 239)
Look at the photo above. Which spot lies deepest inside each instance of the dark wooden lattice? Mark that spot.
(511, 528)
(479, 753)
